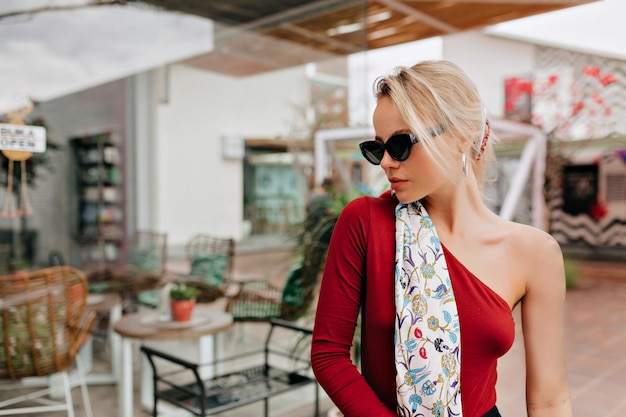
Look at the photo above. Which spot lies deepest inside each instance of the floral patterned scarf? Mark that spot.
(427, 332)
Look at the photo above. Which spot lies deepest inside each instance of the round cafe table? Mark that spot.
(207, 322)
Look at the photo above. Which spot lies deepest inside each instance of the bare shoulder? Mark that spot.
(539, 255)
(533, 239)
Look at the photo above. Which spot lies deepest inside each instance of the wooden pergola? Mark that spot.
(253, 36)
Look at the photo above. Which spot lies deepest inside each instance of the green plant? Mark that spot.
(313, 237)
(181, 291)
(18, 264)
(571, 273)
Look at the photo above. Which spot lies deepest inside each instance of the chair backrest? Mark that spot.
(43, 321)
(211, 258)
(56, 258)
(300, 290)
(148, 251)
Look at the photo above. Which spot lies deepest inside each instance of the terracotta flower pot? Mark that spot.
(19, 277)
(76, 292)
(182, 309)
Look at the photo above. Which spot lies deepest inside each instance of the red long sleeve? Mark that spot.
(340, 299)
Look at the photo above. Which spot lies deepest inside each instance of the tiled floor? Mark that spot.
(596, 342)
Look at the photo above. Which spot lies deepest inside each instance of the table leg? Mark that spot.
(115, 347)
(206, 354)
(116, 342)
(210, 349)
(147, 391)
(125, 386)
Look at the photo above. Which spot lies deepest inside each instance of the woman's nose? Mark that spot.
(387, 161)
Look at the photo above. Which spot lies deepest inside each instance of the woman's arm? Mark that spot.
(336, 317)
(543, 305)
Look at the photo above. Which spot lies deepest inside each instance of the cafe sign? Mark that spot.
(25, 138)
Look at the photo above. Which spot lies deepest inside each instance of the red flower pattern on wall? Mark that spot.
(572, 107)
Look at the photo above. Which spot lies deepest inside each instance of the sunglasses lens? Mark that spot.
(372, 151)
(399, 147)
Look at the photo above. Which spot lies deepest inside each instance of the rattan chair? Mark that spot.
(147, 256)
(211, 265)
(43, 324)
(210, 261)
(261, 301)
(144, 270)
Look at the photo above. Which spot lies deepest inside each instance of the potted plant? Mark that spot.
(18, 268)
(18, 265)
(182, 301)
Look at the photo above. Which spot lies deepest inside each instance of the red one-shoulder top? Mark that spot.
(359, 276)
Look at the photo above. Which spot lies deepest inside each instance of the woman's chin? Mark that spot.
(406, 198)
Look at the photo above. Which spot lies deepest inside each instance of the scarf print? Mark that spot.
(427, 331)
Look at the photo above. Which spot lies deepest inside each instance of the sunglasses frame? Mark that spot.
(411, 139)
(386, 146)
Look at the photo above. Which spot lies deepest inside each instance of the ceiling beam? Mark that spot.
(527, 2)
(290, 14)
(246, 56)
(421, 16)
(347, 47)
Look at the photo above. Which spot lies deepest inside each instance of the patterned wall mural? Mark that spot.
(579, 96)
(581, 103)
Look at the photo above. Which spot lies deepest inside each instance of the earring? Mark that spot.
(464, 165)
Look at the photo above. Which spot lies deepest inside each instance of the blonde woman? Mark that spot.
(433, 271)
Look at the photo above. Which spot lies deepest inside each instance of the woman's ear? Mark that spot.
(464, 144)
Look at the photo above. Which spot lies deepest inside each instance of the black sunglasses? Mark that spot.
(398, 146)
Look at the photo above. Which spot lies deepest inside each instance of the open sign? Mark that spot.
(26, 138)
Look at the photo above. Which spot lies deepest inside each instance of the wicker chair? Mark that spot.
(143, 272)
(261, 301)
(43, 324)
(210, 269)
(211, 265)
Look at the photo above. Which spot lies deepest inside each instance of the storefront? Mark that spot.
(586, 196)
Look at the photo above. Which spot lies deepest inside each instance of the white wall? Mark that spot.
(488, 61)
(266, 103)
(196, 190)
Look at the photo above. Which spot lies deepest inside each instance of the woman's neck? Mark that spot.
(458, 208)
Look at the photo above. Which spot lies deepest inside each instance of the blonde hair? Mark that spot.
(438, 96)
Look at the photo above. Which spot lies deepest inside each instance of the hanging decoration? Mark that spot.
(18, 141)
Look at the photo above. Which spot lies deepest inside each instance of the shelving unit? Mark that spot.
(100, 217)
